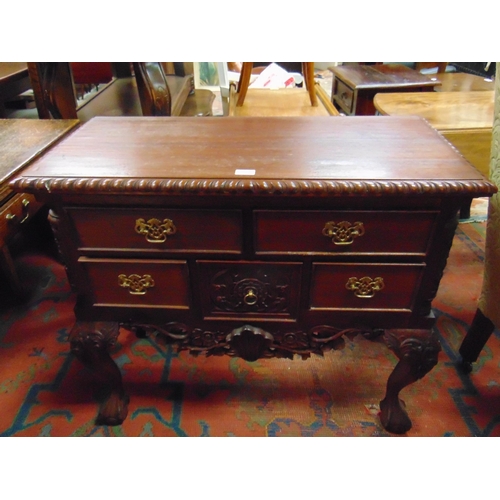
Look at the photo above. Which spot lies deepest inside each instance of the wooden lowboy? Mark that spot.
(255, 237)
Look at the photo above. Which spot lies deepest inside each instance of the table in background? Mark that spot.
(464, 118)
(21, 141)
(354, 86)
(14, 80)
(462, 82)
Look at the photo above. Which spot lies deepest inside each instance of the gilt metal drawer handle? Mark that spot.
(250, 298)
(343, 233)
(137, 285)
(12, 217)
(365, 287)
(155, 230)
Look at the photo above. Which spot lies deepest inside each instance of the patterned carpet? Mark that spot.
(44, 391)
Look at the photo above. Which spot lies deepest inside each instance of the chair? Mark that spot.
(487, 315)
(246, 72)
(149, 93)
(160, 95)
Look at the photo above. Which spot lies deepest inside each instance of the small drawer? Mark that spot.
(137, 283)
(344, 96)
(158, 230)
(16, 212)
(249, 289)
(375, 287)
(343, 232)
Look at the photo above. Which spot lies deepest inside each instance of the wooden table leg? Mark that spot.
(417, 351)
(308, 72)
(244, 82)
(90, 343)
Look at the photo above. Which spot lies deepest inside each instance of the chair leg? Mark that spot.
(473, 343)
(308, 72)
(246, 72)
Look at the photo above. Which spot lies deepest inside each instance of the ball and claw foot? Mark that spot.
(90, 343)
(113, 411)
(394, 417)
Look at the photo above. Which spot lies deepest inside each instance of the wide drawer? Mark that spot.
(158, 230)
(345, 232)
(249, 289)
(137, 283)
(389, 287)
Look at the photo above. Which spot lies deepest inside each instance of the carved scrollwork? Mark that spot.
(250, 342)
(418, 348)
(343, 233)
(92, 338)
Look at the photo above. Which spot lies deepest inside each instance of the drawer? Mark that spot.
(249, 289)
(344, 96)
(343, 232)
(381, 287)
(15, 212)
(158, 230)
(137, 283)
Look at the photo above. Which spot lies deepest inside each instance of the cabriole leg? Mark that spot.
(417, 351)
(90, 343)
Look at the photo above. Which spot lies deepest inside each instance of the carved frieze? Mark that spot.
(248, 341)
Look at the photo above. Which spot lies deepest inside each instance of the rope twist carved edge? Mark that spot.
(324, 188)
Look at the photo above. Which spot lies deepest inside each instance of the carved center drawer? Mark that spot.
(365, 286)
(137, 283)
(158, 230)
(352, 232)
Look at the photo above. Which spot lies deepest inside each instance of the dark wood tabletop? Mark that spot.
(140, 154)
(383, 76)
(22, 140)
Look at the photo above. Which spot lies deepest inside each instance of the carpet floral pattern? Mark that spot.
(45, 391)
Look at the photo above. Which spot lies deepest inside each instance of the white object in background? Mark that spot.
(273, 77)
(223, 78)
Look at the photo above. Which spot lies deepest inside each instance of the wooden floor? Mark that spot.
(281, 102)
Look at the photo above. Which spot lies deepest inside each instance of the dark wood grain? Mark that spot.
(364, 149)
(23, 140)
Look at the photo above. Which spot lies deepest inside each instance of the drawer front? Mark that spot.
(344, 96)
(381, 287)
(15, 212)
(249, 289)
(158, 230)
(343, 232)
(137, 283)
